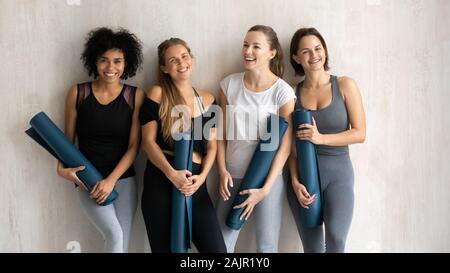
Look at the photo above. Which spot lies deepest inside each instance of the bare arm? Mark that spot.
(221, 142)
(225, 178)
(70, 119)
(284, 150)
(292, 161)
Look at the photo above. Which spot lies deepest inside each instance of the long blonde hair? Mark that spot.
(170, 93)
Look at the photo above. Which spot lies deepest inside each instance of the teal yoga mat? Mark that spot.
(308, 170)
(257, 170)
(51, 138)
(181, 226)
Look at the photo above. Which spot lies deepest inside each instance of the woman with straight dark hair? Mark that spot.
(338, 121)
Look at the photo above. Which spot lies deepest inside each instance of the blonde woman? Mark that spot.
(175, 88)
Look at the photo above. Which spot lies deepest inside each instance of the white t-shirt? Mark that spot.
(246, 116)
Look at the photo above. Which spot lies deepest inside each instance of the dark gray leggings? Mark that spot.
(336, 174)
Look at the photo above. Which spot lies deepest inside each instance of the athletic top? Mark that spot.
(150, 112)
(103, 131)
(331, 119)
(247, 113)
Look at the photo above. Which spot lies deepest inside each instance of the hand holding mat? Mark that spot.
(181, 226)
(308, 171)
(51, 138)
(259, 167)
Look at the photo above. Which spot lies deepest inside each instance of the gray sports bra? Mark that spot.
(331, 119)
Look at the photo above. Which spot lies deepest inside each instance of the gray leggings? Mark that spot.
(336, 174)
(115, 220)
(267, 213)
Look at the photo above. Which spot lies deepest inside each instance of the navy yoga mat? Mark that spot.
(181, 227)
(257, 170)
(51, 138)
(308, 171)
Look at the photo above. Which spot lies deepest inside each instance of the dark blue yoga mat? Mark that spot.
(51, 138)
(181, 226)
(258, 169)
(308, 171)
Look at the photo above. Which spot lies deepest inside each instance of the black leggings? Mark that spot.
(156, 207)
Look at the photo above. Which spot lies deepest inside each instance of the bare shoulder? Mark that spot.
(71, 97)
(139, 92)
(347, 86)
(139, 96)
(346, 82)
(154, 93)
(207, 97)
(71, 100)
(73, 91)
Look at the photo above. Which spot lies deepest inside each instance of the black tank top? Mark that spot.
(103, 131)
(330, 120)
(150, 111)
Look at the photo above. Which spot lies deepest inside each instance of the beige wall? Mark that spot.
(397, 51)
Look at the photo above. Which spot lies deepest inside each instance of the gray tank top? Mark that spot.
(330, 120)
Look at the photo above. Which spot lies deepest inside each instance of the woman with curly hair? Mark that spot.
(103, 115)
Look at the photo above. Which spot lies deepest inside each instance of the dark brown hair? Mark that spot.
(295, 42)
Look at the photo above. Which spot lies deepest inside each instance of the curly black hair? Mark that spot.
(100, 40)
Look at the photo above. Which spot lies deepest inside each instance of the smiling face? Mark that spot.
(110, 65)
(256, 51)
(177, 62)
(311, 54)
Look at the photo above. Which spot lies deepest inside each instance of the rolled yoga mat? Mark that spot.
(51, 138)
(257, 170)
(181, 225)
(308, 171)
